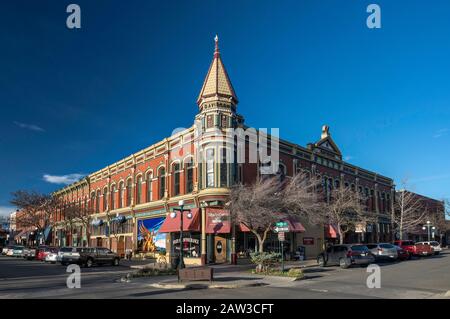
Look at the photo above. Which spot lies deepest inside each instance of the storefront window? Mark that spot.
(191, 244)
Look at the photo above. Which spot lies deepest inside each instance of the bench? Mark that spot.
(195, 273)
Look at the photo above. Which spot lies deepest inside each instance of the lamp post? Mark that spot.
(173, 215)
(428, 227)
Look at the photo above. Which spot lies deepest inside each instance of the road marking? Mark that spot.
(319, 290)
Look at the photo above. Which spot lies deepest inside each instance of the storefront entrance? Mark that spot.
(220, 249)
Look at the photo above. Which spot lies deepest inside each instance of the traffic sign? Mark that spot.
(281, 236)
(281, 229)
(281, 224)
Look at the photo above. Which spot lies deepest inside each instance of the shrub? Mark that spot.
(265, 261)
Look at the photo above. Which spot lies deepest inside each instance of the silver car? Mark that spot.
(17, 251)
(383, 251)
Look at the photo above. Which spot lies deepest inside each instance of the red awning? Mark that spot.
(217, 221)
(243, 228)
(295, 226)
(331, 231)
(172, 225)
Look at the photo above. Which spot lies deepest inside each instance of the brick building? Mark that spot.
(130, 201)
(433, 211)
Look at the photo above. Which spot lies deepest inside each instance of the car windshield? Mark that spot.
(359, 248)
(407, 243)
(386, 246)
(66, 249)
(434, 243)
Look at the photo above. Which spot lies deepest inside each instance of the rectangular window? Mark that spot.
(210, 168)
(209, 121)
(223, 169)
(189, 179)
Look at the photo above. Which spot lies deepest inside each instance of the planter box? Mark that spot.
(195, 273)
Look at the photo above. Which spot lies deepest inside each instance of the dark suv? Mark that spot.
(88, 256)
(345, 256)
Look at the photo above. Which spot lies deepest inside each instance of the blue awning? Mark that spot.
(119, 219)
(47, 232)
(97, 222)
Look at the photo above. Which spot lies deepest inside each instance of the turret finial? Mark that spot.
(216, 45)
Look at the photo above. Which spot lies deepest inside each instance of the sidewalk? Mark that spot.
(223, 268)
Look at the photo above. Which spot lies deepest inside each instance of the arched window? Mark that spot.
(189, 173)
(149, 186)
(97, 202)
(129, 192)
(92, 202)
(120, 204)
(138, 190)
(162, 181)
(113, 197)
(105, 199)
(176, 178)
(337, 183)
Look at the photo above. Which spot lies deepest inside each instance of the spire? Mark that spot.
(217, 84)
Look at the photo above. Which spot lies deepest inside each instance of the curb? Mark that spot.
(205, 286)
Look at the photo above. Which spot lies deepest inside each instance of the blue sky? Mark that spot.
(74, 101)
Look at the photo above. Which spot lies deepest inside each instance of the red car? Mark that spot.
(42, 252)
(402, 254)
(413, 249)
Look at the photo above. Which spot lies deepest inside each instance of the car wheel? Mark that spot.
(89, 263)
(115, 262)
(344, 263)
(321, 261)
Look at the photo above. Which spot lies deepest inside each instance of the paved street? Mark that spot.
(419, 278)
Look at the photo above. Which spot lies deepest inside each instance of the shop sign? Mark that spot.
(308, 241)
(217, 221)
(194, 243)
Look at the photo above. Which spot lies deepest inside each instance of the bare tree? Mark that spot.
(257, 206)
(346, 210)
(77, 215)
(409, 212)
(260, 205)
(36, 209)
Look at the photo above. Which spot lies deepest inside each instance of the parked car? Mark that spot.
(29, 253)
(414, 249)
(63, 251)
(6, 249)
(17, 251)
(52, 256)
(435, 246)
(401, 253)
(345, 256)
(87, 256)
(42, 252)
(383, 251)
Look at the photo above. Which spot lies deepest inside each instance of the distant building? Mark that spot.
(434, 212)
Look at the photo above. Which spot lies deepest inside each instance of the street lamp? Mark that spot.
(429, 227)
(173, 214)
